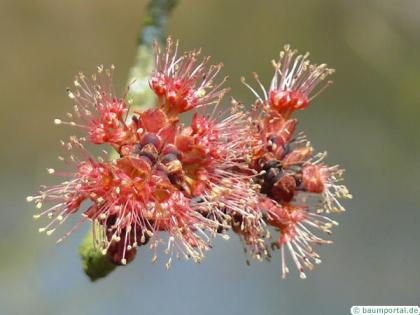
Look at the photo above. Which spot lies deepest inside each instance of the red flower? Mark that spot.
(289, 173)
(294, 82)
(183, 83)
(167, 177)
(98, 110)
(233, 169)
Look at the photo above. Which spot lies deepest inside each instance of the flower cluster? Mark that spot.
(179, 185)
(289, 172)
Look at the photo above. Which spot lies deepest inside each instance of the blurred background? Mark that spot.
(368, 121)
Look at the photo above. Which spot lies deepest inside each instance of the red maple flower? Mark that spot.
(294, 84)
(289, 173)
(166, 177)
(183, 83)
(248, 171)
(97, 110)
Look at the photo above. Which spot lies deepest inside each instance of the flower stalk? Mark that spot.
(154, 28)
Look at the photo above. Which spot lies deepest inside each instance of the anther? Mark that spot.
(49, 232)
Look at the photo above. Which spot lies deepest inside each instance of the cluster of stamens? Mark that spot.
(290, 173)
(181, 185)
